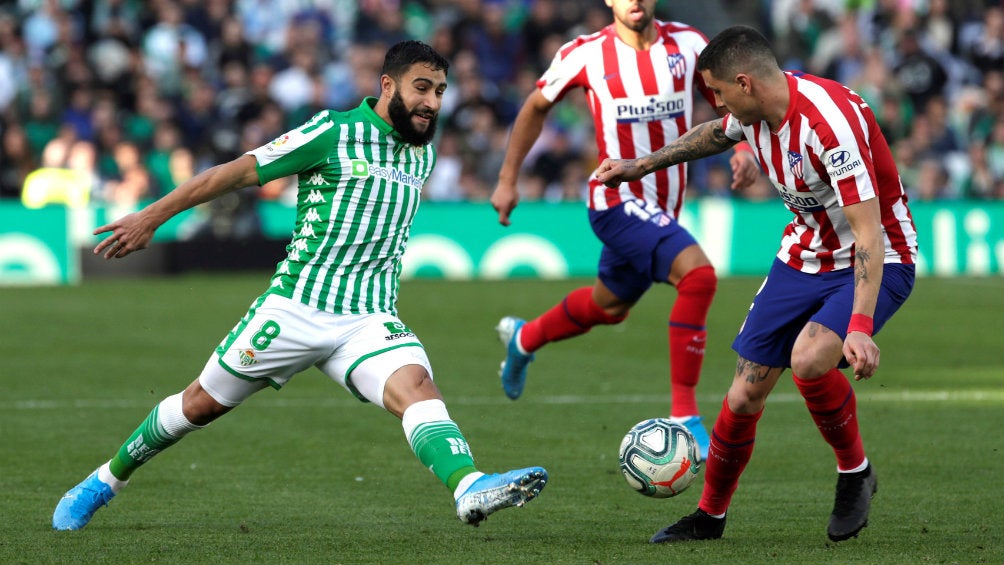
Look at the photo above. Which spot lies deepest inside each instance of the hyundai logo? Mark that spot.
(839, 158)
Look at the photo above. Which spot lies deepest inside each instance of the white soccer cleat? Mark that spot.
(494, 492)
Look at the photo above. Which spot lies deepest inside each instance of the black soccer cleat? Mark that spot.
(697, 526)
(851, 504)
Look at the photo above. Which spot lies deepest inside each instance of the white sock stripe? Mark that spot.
(172, 419)
(105, 475)
(423, 412)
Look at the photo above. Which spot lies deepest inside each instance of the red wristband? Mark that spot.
(861, 323)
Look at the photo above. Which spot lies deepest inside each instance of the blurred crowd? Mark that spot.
(119, 101)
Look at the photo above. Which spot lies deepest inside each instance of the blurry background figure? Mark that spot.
(16, 161)
(132, 183)
(68, 175)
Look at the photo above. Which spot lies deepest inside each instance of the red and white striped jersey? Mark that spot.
(640, 101)
(829, 153)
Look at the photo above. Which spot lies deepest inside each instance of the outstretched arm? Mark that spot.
(134, 231)
(525, 131)
(700, 141)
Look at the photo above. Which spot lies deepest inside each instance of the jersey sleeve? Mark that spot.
(846, 156)
(566, 72)
(698, 41)
(733, 128)
(295, 151)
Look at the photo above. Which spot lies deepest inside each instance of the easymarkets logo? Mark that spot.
(362, 169)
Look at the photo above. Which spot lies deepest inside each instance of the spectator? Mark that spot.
(381, 22)
(921, 75)
(940, 26)
(41, 28)
(840, 54)
(984, 118)
(16, 161)
(12, 71)
(170, 46)
(978, 182)
(986, 53)
(995, 150)
(292, 87)
(232, 46)
(444, 184)
(932, 182)
(166, 138)
(42, 123)
(542, 28)
(549, 168)
(804, 25)
(132, 183)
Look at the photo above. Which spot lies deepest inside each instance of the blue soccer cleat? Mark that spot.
(696, 429)
(494, 492)
(513, 370)
(77, 506)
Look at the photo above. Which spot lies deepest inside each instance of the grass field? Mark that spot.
(310, 475)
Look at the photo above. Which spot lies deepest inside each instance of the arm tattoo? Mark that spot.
(705, 139)
(752, 372)
(861, 258)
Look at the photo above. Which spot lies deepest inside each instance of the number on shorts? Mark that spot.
(269, 331)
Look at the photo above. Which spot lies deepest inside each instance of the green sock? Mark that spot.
(149, 439)
(442, 448)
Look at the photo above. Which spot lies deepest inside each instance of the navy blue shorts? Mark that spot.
(639, 246)
(789, 299)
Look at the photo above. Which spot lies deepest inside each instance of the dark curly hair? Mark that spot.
(401, 56)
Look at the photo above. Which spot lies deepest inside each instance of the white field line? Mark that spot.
(275, 400)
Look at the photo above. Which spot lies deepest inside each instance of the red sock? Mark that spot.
(575, 315)
(687, 334)
(731, 448)
(833, 407)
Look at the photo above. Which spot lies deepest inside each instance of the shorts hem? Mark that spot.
(242, 376)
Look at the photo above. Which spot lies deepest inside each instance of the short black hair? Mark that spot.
(401, 56)
(737, 49)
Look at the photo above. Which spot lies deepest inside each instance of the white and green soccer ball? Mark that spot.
(659, 458)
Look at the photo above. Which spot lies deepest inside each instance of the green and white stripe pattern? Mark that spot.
(359, 190)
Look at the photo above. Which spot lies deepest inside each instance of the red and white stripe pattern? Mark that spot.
(640, 101)
(829, 153)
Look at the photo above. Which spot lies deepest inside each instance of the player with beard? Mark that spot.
(331, 303)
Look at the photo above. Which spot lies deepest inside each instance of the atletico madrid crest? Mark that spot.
(677, 65)
(795, 164)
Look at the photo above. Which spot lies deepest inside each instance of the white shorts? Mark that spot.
(279, 338)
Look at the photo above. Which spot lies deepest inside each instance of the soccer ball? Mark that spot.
(659, 458)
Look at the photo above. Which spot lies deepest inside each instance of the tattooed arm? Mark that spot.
(869, 254)
(700, 141)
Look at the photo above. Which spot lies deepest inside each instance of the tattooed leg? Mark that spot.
(751, 385)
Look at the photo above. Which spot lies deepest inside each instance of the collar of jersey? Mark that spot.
(366, 107)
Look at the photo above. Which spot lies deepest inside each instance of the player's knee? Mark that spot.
(408, 385)
(700, 281)
(746, 400)
(615, 314)
(199, 407)
(807, 364)
(584, 309)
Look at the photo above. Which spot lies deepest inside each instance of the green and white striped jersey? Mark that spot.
(359, 188)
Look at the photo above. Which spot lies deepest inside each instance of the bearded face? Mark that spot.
(416, 125)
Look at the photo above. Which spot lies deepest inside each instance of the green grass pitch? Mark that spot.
(310, 475)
